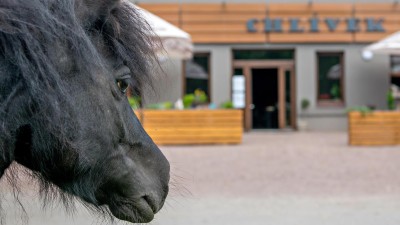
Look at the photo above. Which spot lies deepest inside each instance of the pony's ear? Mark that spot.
(90, 11)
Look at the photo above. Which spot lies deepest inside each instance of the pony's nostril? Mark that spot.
(152, 203)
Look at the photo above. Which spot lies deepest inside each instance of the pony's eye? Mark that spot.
(123, 85)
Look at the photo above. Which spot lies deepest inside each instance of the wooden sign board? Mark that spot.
(282, 23)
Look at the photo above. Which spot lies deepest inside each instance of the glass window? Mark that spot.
(330, 77)
(395, 65)
(197, 74)
(395, 74)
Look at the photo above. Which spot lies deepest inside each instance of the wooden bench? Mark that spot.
(374, 129)
(193, 127)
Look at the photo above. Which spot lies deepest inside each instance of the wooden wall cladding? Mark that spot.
(390, 13)
(221, 23)
(169, 12)
(226, 23)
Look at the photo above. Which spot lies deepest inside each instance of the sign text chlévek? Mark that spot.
(314, 24)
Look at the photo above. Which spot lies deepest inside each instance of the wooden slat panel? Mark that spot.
(226, 23)
(180, 113)
(374, 129)
(389, 17)
(229, 38)
(371, 143)
(309, 8)
(190, 124)
(310, 38)
(193, 126)
(185, 118)
(197, 142)
(375, 116)
(369, 37)
(222, 23)
(219, 27)
(160, 7)
(214, 131)
(358, 129)
(246, 8)
(171, 18)
(209, 8)
(196, 121)
(376, 7)
(188, 18)
(168, 12)
(195, 8)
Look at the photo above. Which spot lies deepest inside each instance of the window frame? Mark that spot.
(393, 74)
(184, 83)
(330, 102)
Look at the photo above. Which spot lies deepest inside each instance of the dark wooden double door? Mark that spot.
(270, 94)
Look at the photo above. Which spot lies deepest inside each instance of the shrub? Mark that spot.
(227, 105)
(390, 100)
(162, 105)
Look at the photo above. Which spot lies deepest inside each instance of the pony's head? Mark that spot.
(65, 66)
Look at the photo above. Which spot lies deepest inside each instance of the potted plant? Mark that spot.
(305, 103)
(302, 125)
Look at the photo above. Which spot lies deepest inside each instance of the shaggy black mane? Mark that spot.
(30, 30)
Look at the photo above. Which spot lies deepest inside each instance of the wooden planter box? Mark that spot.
(193, 127)
(374, 129)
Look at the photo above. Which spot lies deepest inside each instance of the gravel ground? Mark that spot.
(278, 178)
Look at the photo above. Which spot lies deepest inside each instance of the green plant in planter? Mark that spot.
(162, 105)
(390, 100)
(305, 103)
(227, 105)
(188, 101)
(199, 97)
(364, 110)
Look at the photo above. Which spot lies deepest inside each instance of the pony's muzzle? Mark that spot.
(142, 211)
(155, 201)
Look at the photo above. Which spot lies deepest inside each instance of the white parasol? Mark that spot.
(176, 43)
(389, 45)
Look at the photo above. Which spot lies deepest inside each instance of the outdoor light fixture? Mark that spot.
(367, 55)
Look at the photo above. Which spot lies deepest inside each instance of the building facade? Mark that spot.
(286, 63)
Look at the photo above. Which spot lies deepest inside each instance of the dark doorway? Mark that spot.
(265, 98)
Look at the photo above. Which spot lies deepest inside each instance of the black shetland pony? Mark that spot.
(65, 66)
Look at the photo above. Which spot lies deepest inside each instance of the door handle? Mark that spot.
(270, 108)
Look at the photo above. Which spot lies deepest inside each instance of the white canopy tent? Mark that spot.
(389, 45)
(175, 43)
